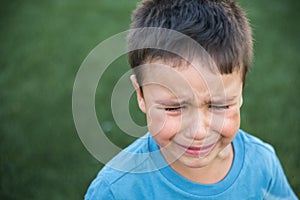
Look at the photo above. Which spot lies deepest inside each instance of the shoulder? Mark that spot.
(129, 160)
(255, 158)
(119, 170)
(254, 144)
(259, 157)
(262, 163)
(99, 189)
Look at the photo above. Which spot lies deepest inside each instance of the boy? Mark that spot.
(191, 96)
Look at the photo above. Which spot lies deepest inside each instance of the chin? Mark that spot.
(195, 162)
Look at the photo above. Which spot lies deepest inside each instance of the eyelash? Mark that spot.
(173, 109)
(218, 107)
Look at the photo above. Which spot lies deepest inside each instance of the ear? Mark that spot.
(139, 94)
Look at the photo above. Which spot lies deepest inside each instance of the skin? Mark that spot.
(193, 115)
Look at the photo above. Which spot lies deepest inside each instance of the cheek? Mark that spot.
(162, 127)
(231, 123)
(156, 121)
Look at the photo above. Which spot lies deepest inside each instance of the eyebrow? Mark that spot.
(171, 102)
(222, 100)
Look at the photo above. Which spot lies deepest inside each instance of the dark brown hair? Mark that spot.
(219, 26)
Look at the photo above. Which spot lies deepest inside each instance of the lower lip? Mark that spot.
(201, 151)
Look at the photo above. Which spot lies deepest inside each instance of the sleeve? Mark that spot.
(279, 188)
(98, 190)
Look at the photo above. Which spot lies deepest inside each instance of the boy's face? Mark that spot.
(191, 116)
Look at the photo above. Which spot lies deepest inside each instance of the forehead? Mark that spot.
(186, 81)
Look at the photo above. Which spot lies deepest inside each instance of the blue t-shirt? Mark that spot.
(256, 173)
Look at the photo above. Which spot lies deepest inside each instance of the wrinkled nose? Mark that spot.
(197, 128)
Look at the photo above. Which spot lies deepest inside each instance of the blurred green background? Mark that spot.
(42, 45)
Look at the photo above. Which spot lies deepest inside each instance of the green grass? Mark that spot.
(43, 44)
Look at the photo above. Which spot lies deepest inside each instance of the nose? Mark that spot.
(197, 128)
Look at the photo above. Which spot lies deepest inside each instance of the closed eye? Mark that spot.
(173, 109)
(218, 107)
